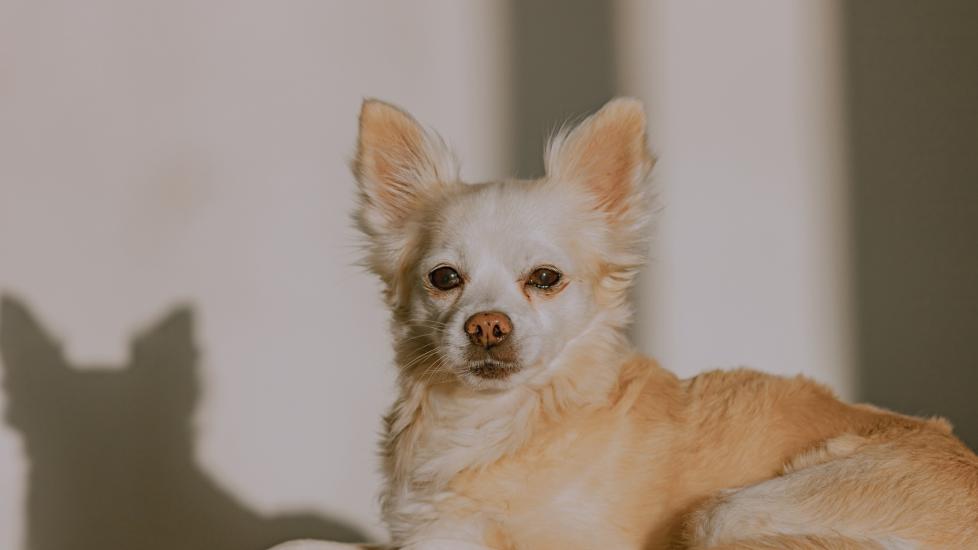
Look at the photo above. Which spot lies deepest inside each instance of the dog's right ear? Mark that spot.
(398, 165)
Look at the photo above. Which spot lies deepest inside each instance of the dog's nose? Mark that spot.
(488, 328)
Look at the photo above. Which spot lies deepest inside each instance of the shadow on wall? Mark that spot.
(912, 87)
(111, 451)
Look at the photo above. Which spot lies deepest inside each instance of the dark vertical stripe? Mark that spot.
(562, 65)
(912, 70)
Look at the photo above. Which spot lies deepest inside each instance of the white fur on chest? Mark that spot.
(456, 433)
(468, 434)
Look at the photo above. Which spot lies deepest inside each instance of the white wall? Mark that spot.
(187, 151)
(750, 260)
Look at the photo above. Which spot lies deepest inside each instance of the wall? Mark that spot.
(750, 256)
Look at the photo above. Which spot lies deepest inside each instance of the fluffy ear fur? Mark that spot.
(398, 166)
(607, 157)
(607, 154)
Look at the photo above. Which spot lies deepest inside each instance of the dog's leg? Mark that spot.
(445, 545)
(790, 542)
(426, 545)
(323, 545)
(843, 502)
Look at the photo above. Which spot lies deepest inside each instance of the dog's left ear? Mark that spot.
(608, 155)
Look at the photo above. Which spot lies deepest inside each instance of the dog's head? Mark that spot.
(488, 283)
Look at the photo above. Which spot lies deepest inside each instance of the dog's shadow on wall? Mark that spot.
(111, 451)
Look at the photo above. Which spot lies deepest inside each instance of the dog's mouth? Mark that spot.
(491, 369)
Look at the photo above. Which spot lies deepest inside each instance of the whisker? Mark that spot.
(419, 336)
(435, 369)
(416, 349)
(427, 324)
(419, 358)
(427, 369)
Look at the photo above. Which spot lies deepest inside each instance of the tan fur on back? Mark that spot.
(590, 445)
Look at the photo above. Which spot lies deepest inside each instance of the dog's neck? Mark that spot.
(437, 430)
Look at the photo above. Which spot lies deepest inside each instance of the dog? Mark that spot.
(111, 451)
(525, 420)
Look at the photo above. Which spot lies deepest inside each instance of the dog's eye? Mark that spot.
(544, 277)
(445, 278)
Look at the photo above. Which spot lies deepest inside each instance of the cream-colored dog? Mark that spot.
(525, 420)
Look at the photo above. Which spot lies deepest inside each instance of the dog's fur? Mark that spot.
(566, 438)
